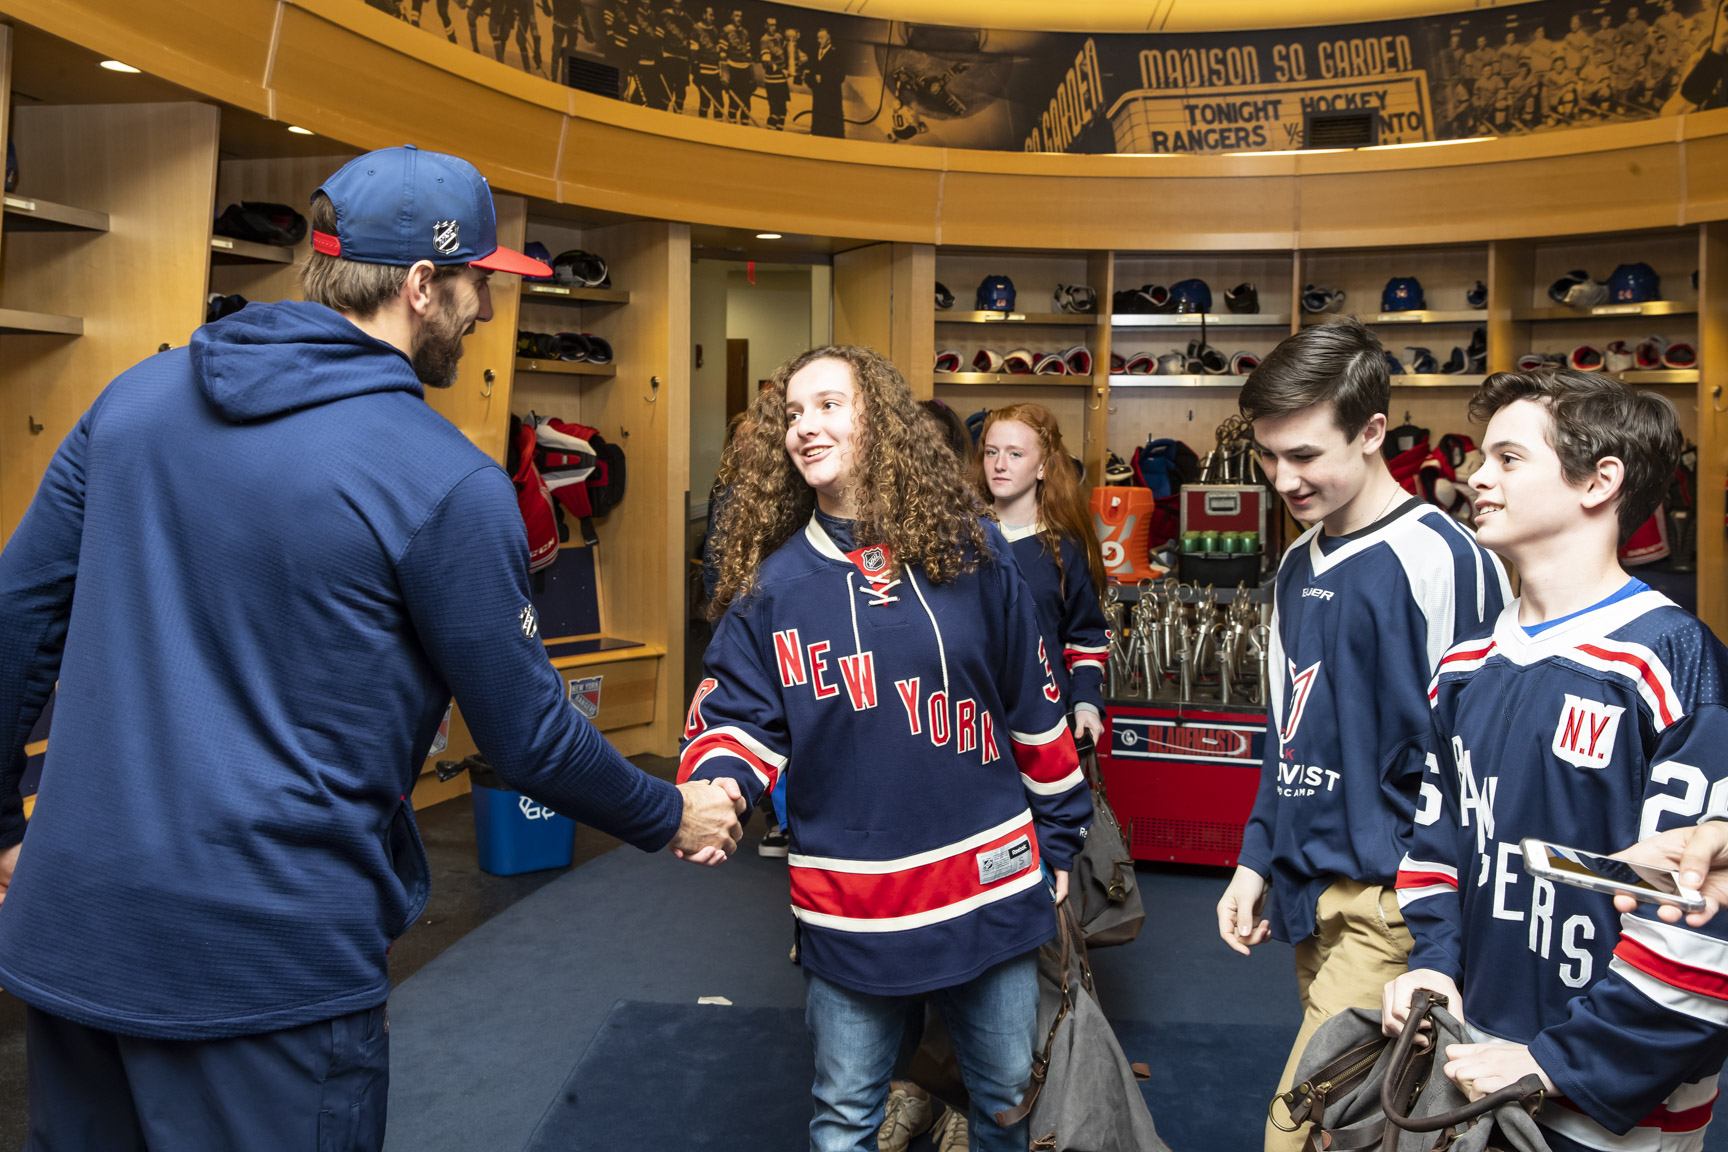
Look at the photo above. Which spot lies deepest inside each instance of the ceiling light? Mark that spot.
(299, 131)
(116, 66)
(767, 235)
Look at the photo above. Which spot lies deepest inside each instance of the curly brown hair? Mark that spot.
(909, 491)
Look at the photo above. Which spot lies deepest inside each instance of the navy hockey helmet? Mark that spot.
(996, 294)
(579, 267)
(1634, 284)
(1476, 295)
(1402, 294)
(944, 298)
(1191, 296)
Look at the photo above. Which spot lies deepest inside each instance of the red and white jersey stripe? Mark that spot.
(918, 890)
(1076, 655)
(1419, 879)
(733, 742)
(1049, 763)
(1681, 970)
(1464, 657)
(1676, 1126)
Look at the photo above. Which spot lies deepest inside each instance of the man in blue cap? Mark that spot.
(285, 564)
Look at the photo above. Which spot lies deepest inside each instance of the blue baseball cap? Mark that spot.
(399, 206)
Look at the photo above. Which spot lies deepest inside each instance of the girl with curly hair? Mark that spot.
(1026, 474)
(877, 648)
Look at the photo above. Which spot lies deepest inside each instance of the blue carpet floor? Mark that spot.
(588, 988)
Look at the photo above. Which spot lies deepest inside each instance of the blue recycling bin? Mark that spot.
(514, 834)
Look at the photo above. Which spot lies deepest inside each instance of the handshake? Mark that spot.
(710, 829)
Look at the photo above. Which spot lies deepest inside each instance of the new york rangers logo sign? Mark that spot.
(585, 696)
(445, 237)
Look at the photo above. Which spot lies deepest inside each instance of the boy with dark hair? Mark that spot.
(1367, 601)
(1592, 716)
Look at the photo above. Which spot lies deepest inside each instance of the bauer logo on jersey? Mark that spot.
(1301, 686)
(1585, 733)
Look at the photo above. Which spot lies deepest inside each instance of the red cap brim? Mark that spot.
(504, 260)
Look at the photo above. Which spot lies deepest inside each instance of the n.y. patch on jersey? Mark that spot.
(1585, 732)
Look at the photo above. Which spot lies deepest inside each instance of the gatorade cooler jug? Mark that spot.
(514, 834)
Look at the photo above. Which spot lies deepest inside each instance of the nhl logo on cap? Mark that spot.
(445, 236)
(872, 561)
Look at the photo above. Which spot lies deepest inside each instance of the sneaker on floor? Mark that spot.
(950, 1133)
(906, 1119)
(774, 842)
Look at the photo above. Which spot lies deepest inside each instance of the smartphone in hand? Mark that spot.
(1563, 865)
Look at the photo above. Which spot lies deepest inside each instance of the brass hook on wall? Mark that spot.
(35, 428)
(654, 384)
(1101, 393)
(489, 377)
(1716, 398)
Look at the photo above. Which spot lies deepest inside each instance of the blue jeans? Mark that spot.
(993, 1020)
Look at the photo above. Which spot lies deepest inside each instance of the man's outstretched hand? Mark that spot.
(1699, 854)
(709, 831)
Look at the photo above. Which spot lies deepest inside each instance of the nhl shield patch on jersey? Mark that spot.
(585, 696)
(1005, 860)
(1585, 732)
(529, 621)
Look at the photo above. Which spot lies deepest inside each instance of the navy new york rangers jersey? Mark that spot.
(1359, 625)
(1601, 729)
(1070, 617)
(927, 762)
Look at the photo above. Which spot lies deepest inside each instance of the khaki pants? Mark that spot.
(1359, 943)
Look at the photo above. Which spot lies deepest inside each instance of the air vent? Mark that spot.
(1340, 129)
(592, 75)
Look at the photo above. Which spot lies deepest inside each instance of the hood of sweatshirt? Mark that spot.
(270, 359)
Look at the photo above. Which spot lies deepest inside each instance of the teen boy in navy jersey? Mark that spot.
(1367, 601)
(1593, 715)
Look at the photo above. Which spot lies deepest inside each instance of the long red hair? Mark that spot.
(1062, 507)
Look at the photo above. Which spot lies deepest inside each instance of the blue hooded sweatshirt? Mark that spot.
(259, 567)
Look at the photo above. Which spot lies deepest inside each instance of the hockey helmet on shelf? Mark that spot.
(1402, 294)
(995, 294)
(1191, 295)
(944, 298)
(1634, 284)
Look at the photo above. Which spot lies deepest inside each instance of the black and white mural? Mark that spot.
(1525, 68)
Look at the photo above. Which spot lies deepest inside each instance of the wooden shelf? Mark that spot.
(1648, 308)
(1153, 380)
(570, 294)
(227, 250)
(16, 323)
(1075, 319)
(1213, 320)
(1658, 375)
(565, 367)
(1020, 378)
(1421, 316)
(31, 214)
